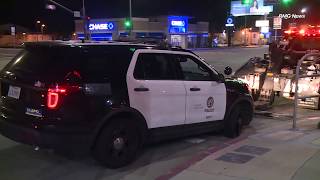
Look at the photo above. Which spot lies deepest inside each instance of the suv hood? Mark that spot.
(234, 85)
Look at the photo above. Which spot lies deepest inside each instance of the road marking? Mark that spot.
(316, 142)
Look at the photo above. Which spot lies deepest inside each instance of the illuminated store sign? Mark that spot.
(255, 7)
(101, 26)
(178, 24)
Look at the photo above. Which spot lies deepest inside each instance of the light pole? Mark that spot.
(84, 17)
(38, 26)
(130, 17)
(42, 28)
(130, 9)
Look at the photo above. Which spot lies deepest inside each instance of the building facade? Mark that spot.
(177, 30)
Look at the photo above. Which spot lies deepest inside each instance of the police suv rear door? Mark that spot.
(154, 89)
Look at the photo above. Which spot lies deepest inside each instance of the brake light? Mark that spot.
(302, 31)
(55, 94)
(53, 99)
(288, 32)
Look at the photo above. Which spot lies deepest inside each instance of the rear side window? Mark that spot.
(105, 64)
(154, 66)
(94, 63)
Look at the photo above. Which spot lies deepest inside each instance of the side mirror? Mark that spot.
(228, 71)
(221, 78)
(266, 56)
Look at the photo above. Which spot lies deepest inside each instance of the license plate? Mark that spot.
(34, 112)
(14, 92)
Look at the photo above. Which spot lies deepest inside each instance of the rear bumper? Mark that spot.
(77, 142)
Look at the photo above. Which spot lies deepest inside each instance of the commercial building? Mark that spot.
(177, 30)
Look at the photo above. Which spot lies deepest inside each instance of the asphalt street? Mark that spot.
(233, 57)
(21, 162)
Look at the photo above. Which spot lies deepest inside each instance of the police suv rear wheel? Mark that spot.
(118, 144)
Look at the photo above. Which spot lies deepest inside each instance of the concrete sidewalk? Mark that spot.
(272, 152)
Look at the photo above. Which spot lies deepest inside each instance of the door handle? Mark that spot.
(141, 89)
(195, 89)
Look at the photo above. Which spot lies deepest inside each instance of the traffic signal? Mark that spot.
(286, 2)
(128, 24)
(246, 2)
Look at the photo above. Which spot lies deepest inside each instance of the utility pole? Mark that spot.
(130, 17)
(130, 9)
(245, 30)
(84, 18)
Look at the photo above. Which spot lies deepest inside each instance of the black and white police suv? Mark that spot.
(111, 98)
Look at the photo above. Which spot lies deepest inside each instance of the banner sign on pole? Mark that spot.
(277, 23)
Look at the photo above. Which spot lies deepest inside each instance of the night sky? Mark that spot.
(27, 12)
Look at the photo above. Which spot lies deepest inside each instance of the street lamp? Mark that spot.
(304, 10)
(84, 17)
(38, 26)
(42, 28)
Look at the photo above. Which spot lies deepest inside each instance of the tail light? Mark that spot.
(55, 94)
(288, 32)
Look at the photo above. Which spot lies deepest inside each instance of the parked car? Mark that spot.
(112, 98)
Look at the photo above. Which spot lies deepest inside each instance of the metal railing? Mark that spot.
(297, 77)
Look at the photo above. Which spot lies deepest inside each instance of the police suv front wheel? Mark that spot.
(118, 144)
(233, 125)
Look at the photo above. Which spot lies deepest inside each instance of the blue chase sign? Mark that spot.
(178, 24)
(108, 26)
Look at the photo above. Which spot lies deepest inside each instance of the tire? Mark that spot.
(246, 113)
(118, 144)
(233, 125)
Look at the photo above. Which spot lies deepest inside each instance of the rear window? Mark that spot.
(94, 64)
(44, 63)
